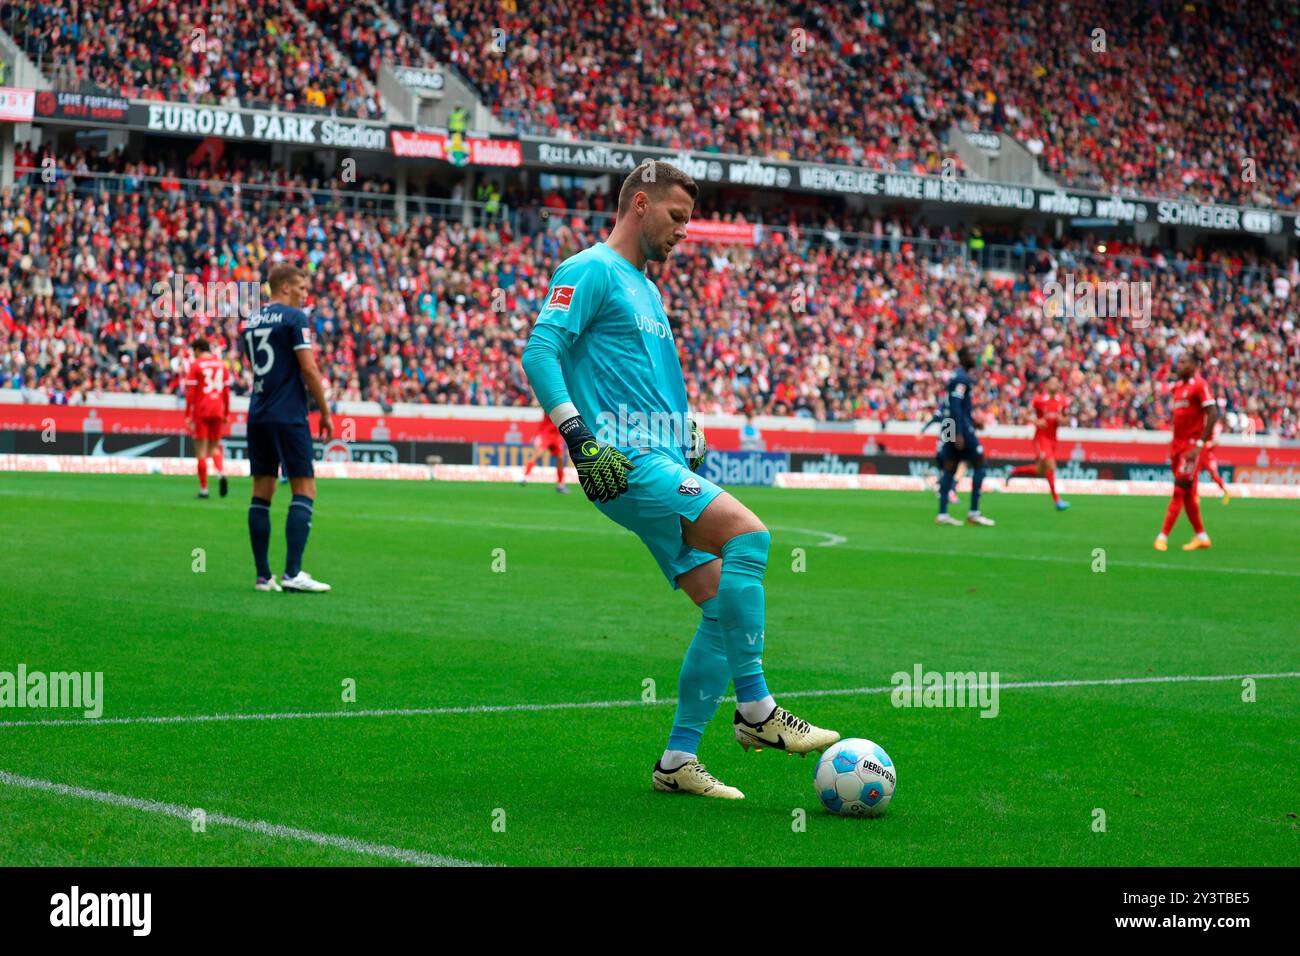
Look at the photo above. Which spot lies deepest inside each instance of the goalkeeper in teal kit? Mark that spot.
(604, 364)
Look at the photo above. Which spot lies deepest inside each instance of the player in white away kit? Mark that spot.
(602, 352)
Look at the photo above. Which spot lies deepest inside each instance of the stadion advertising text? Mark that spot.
(751, 458)
(556, 155)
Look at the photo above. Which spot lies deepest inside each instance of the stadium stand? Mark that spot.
(832, 318)
(249, 53)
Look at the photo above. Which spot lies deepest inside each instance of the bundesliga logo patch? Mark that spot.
(560, 298)
(691, 486)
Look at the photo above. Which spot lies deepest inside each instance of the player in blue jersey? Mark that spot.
(958, 443)
(938, 418)
(277, 346)
(602, 355)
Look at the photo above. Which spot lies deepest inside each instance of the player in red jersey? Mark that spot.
(1195, 413)
(1049, 404)
(207, 407)
(547, 439)
(1210, 463)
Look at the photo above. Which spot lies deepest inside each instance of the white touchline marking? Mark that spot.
(1084, 682)
(603, 704)
(832, 539)
(221, 819)
(325, 714)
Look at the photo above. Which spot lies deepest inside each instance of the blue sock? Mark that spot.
(296, 527)
(946, 480)
(259, 533)
(741, 611)
(976, 480)
(702, 682)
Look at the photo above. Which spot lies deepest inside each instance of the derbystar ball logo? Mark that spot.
(561, 296)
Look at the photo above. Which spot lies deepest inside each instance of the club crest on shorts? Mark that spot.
(691, 486)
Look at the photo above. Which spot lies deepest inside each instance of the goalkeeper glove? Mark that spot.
(696, 447)
(602, 469)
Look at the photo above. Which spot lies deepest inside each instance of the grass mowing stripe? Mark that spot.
(606, 704)
(421, 621)
(253, 826)
(1059, 559)
(833, 540)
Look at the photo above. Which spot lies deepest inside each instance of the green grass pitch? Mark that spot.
(98, 575)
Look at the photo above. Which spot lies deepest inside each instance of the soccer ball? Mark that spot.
(855, 778)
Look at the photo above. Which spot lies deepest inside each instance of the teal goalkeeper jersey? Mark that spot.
(618, 356)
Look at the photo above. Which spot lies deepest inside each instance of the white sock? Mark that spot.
(1162, 536)
(752, 711)
(1203, 536)
(674, 760)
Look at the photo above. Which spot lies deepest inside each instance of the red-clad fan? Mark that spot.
(207, 407)
(1049, 405)
(548, 440)
(1195, 413)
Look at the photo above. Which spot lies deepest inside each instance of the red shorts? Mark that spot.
(556, 450)
(208, 429)
(1044, 447)
(1185, 460)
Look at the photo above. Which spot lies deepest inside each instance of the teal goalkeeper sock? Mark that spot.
(702, 682)
(741, 611)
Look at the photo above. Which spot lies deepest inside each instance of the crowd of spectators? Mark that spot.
(731, 76)
(832, 325)
(1163, 98)
(1166, 98)
(219, 52)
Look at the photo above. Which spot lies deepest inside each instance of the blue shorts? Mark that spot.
(972, 453)
(660, 492)
(271, 444)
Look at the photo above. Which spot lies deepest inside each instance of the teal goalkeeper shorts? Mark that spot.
(660, 492)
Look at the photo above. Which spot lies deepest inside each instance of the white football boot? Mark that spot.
(782, 730)
(302, 581)
(268, 584)
(946, 519)
(691, 777)
(976, 518)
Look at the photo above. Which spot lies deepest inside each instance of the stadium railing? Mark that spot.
(353, 200)
(995, 257)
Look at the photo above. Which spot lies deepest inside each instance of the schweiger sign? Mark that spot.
(726, 170)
